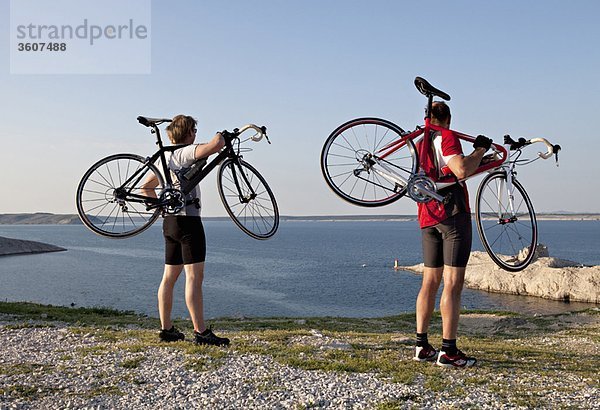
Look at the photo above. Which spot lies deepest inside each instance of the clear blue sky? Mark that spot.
(303, 67)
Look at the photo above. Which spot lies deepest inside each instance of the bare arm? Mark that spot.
(147, 187)
(211, 147)
(463, 167)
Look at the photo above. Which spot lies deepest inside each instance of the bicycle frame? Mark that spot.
(152, 202)
(416, 136)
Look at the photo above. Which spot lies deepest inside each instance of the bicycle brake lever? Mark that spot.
(263, 130)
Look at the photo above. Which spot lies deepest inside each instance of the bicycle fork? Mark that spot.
(244, 199)
(509, 217)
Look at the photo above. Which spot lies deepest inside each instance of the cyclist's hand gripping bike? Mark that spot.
(373, 162)
(114, 201)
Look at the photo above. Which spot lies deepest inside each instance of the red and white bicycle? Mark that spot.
(373, 162)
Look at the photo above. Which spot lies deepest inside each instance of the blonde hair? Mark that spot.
(180, 128)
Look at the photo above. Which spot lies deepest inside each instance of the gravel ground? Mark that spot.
(62, 367)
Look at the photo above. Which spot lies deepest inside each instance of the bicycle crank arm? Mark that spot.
(432, 194)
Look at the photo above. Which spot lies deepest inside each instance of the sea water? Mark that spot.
(309, 268)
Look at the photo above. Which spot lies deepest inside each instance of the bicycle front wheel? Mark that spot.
(509, 234)
(354, 168)
(110, 196)
(248, 199)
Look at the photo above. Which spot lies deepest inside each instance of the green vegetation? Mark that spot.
(510, 347)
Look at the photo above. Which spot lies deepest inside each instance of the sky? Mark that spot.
(302, 68)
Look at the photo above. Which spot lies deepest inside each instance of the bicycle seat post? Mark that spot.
(156, 131)
(428, 108)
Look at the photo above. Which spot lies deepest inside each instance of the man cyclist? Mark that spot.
(446, 238)
(185, 243)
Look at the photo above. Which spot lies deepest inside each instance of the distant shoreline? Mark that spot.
(41, 218)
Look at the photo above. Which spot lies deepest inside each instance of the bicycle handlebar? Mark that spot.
(260, 132)
(551, 149)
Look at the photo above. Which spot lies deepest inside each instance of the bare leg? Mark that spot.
(194, 273)
(426, 297)
(454, 279)
(165, 294)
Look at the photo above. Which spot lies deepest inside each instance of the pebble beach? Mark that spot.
(54, 365)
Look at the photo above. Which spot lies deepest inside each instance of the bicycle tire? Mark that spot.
(343, 155)
(510, 239)
(97, 205)
(258, 215)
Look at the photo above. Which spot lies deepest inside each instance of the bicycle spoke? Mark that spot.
(94, 192)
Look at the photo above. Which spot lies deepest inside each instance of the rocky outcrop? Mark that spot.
(546, 277)
(10, 246)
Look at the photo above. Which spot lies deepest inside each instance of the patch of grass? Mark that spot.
(134, 347)
(397, 404)
(267, 384)
(132, 363)
(24, 368)
(334, 324)
(26, 325)
(110, 390)
(203, 357)
(96, 350)
(81, 316)
(20, 391)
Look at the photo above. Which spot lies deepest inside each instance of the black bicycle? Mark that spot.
(113, 201)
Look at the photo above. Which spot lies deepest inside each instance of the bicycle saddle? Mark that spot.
(148, 122)
(428, 90)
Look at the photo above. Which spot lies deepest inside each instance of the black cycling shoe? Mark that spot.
(171, 335)
(209, 338)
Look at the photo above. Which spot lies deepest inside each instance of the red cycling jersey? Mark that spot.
(434, 154)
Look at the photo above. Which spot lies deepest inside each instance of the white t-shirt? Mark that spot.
(177, 160)
(442, 157)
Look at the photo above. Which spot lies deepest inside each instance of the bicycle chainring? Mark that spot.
(420, 181)
(172, 200)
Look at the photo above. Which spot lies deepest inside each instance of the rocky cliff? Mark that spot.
(547, 277)
(10, 246)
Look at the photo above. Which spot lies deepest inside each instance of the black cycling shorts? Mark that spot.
(448, 243)
(184, 240)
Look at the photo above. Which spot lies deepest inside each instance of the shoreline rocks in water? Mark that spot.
(9, 246)
(546, 277)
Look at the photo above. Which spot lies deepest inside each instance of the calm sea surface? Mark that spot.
(307, 269)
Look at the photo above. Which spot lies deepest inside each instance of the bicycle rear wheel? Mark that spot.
(509, 237)
(350, 156)
(110, 199)
(248, 199)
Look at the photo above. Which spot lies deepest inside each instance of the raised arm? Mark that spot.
(211, 147)
(465, 166)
